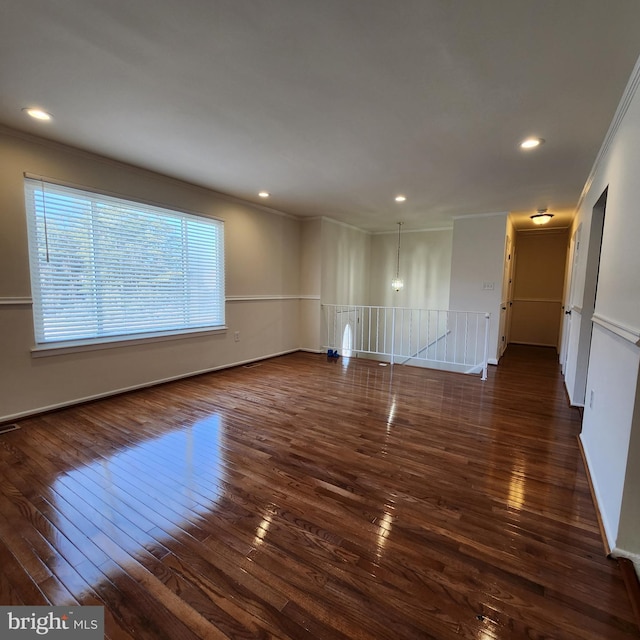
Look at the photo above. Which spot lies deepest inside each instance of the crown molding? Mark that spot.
(627, 97)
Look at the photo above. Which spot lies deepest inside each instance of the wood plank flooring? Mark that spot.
(307, 498)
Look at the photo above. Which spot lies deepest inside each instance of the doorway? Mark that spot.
(538, 287)
(573, 258)
(580, 326)
(505, 305)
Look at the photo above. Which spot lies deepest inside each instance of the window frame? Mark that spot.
(127, 336)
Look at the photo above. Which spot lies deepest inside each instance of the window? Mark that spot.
(103, 267)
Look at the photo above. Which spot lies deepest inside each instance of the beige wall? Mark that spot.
(278, 270)
(262, 285)
(310, 283)
(425, 267)
(345, 256)
(540, 259)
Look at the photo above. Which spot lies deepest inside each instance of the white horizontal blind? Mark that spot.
(103, 266)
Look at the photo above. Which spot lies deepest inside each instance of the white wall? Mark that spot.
(262, 284)
(630, 510)
(478, 258)
(425, 267)
(571, 337)
(612, 420)
(606, 427)
(345, 260)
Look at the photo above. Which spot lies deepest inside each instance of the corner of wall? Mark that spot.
(633, 557)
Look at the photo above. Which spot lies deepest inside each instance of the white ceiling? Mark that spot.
(334, 106)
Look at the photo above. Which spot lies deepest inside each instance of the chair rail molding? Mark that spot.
(13, 301)
(631, 334)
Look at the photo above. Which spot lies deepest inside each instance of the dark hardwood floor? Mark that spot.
(307, 498)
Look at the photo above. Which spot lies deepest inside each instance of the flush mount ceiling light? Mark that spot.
(397, 282)
(531, 143)
(542, 217)
(264, 194)
(37, 114)
(400, 199)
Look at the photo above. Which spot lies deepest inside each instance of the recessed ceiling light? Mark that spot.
(38, 114)
(531, 143)
(401, 198)
(264, 194)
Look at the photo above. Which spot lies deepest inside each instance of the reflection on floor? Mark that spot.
(309, 498)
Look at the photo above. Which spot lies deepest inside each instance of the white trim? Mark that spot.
(353, 307)
(16, 301)
(269, 297)
(257, 205)
(153, 383)
(552, 230)
(425, 230)
(306, 350)
(341, 224)
(603, 515)
(535, 344)
(621, 111)
(634, 557)
(76, 346)
(577, 309)
(569, 393)
(480, 215)
(546, 300)
(628, 333)
(374, 233)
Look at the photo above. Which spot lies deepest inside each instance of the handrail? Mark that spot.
(438, 338)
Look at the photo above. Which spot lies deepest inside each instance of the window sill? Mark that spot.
(77, 346)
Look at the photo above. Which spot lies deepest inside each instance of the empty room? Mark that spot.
(320, 319)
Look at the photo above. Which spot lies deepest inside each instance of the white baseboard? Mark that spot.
(572, 403)
(151, 383)
(634, 557)
(606, 529)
